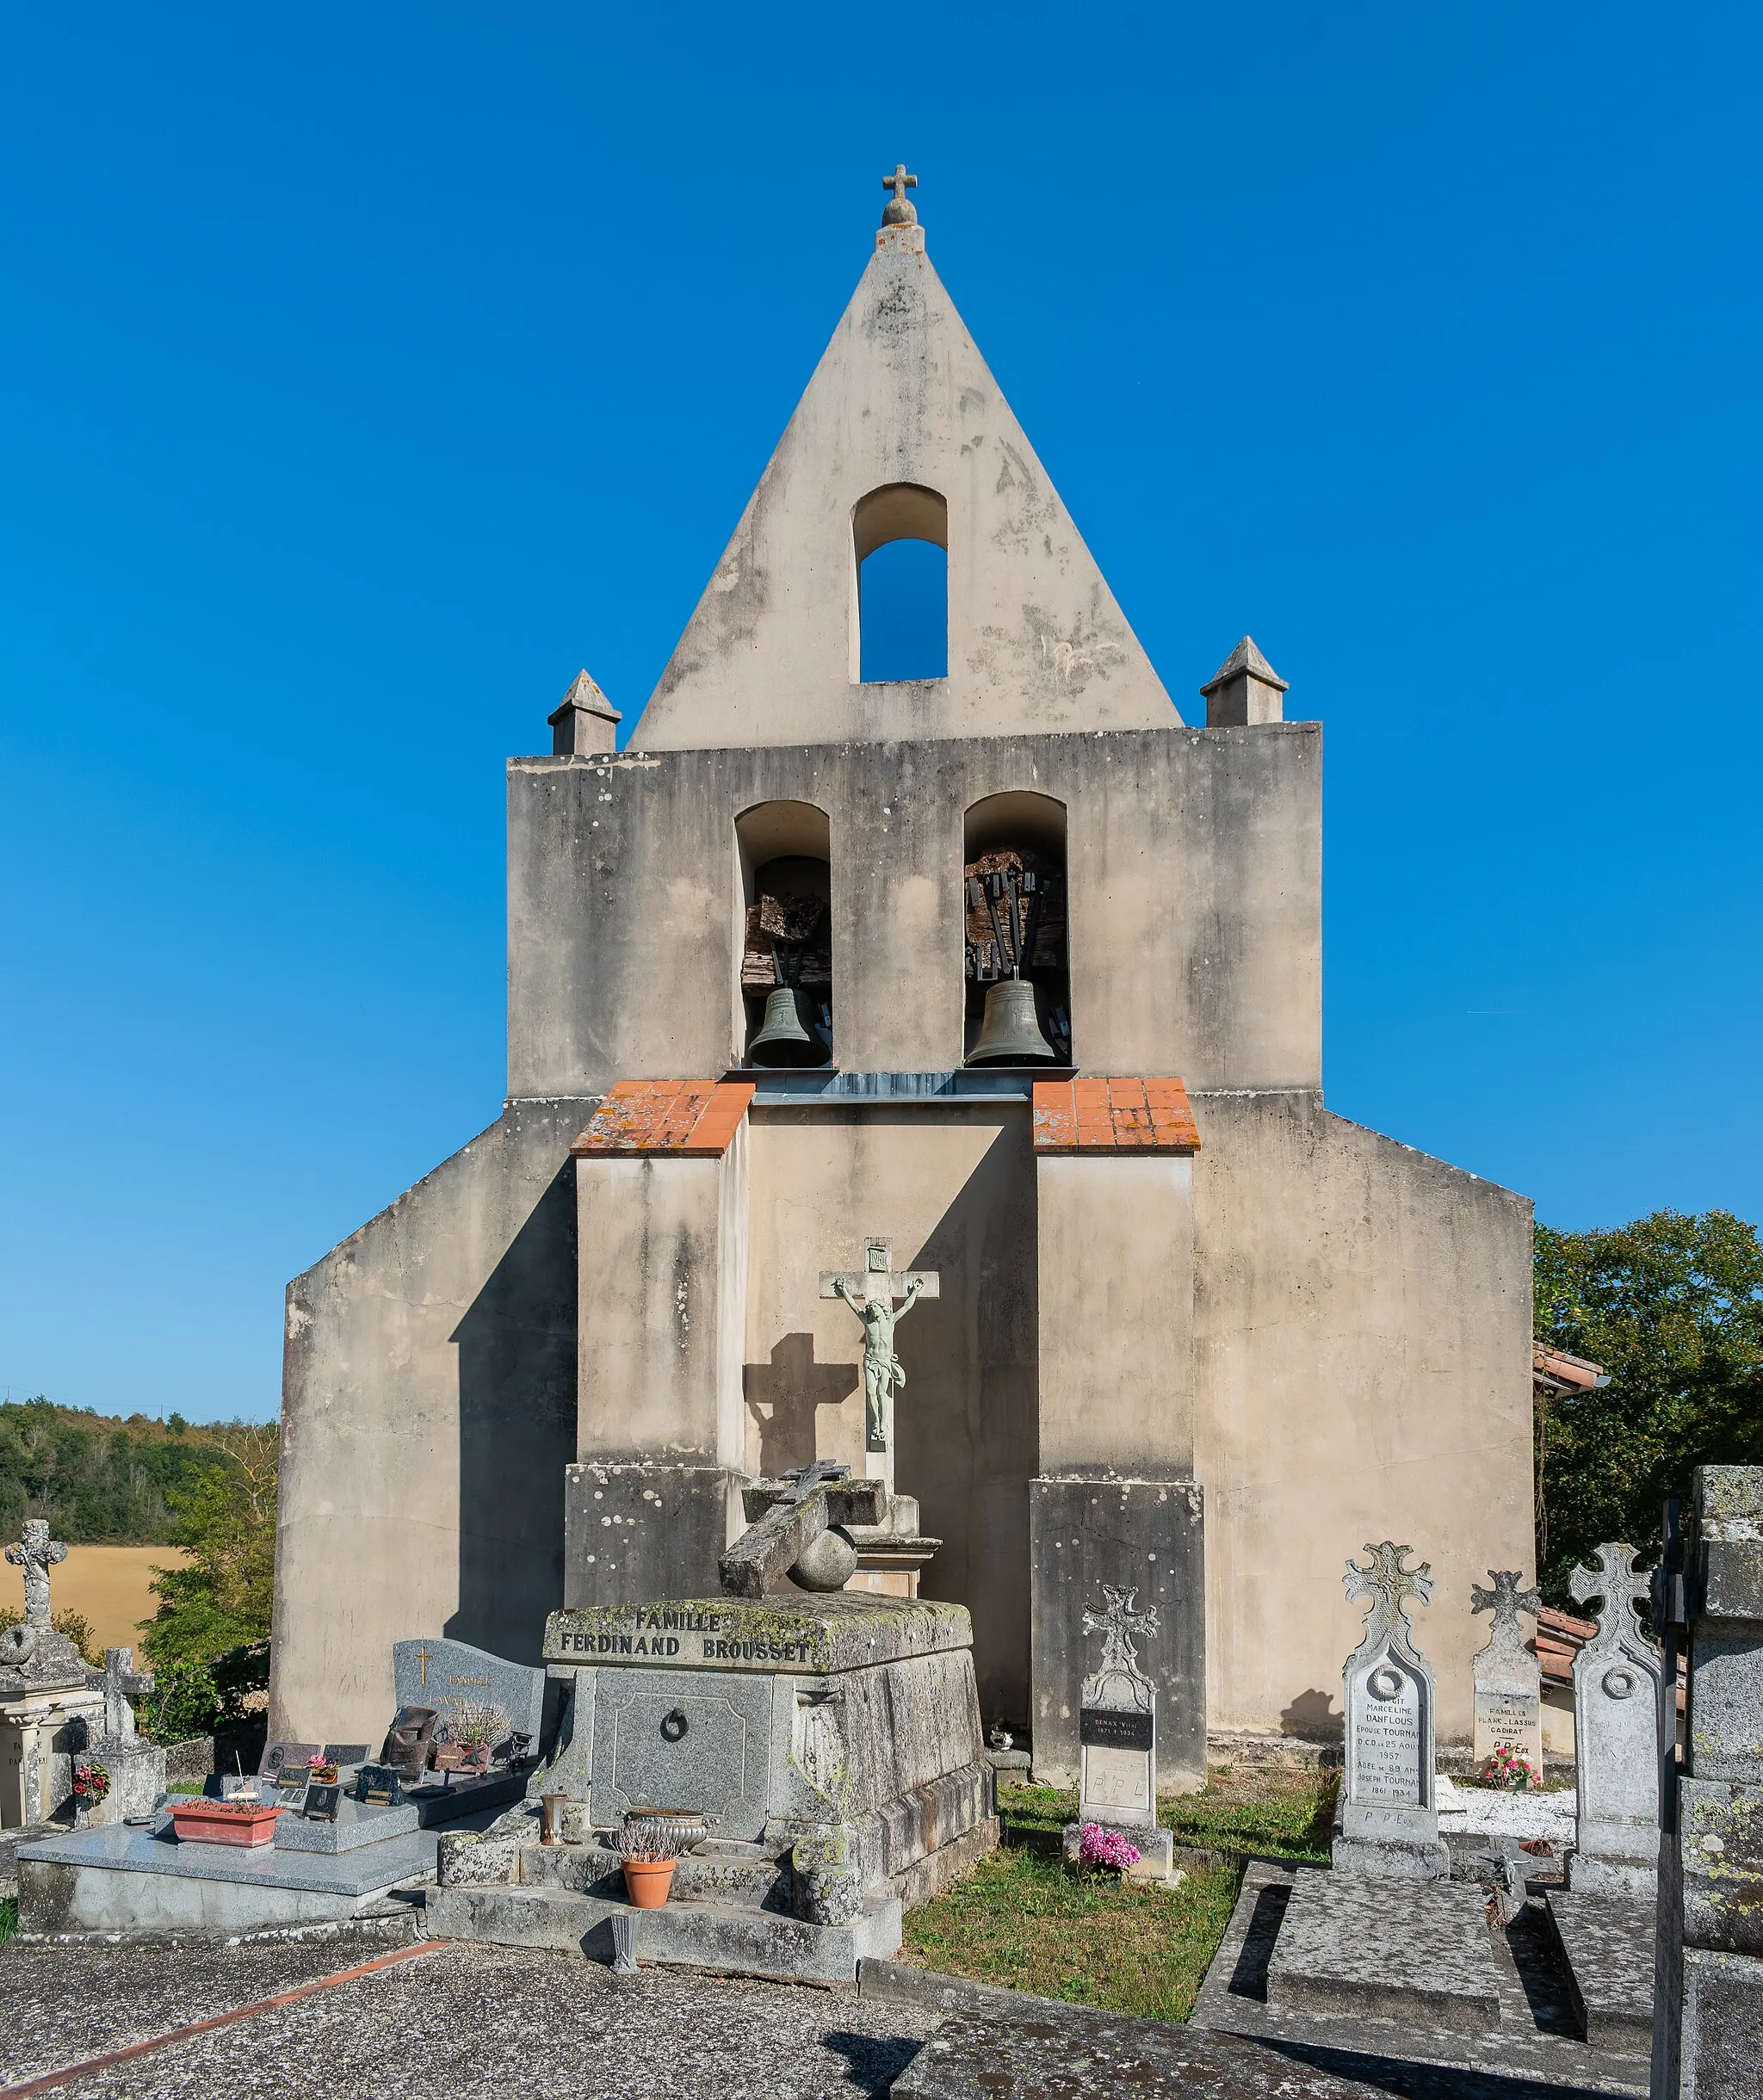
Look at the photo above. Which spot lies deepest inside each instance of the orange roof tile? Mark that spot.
(682, 1119)
(1107, 1115)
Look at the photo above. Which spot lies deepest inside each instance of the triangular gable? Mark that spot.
(1036, 643)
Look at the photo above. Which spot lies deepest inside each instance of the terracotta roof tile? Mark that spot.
(683, 1118)
(1107, 1115)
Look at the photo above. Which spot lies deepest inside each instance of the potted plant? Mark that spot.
(1099, 1847)
(471, 1731)
(200, 1821)
(650, 1851)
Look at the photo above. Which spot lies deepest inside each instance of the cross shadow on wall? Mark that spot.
(783, 1395)
(517, 1432)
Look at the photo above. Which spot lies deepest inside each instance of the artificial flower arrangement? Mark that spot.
(1105, 1847)
(91, 1783)
(1508, 1769)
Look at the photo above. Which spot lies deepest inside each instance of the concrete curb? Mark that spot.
(897, 1983)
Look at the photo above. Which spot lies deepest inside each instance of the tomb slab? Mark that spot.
(1385, 1950)
(1608, 1945)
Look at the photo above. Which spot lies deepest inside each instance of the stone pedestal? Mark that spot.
(41, 1734)
(639, 1531)
(1143, 1536)
(137, 1771)
(1708, 2038)
(850, 1720)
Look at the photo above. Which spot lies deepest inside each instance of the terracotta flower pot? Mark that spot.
(204, 1822)
(647, 1881)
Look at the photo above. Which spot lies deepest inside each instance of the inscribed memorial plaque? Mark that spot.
(448, 1674)
(1117, 1720)
(1508, 1680)
(1389, 1812)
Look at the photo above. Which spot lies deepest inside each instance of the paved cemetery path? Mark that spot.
(468, 2021)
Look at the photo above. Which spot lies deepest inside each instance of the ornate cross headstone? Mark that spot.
(1389, 1815)
(1117, 1720)
(870, 1292)
(1508, 1678)
(40, 1656)
(1615, 1734)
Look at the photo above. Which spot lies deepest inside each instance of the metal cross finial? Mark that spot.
(897, 212)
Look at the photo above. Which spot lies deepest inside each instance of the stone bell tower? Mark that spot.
(1006, 972)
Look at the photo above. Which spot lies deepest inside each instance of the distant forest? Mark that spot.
(100, 1480)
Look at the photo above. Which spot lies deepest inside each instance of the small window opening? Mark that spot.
(1013, 884)
(899, 539)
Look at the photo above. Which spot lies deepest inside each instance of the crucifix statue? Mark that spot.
(870, 1292)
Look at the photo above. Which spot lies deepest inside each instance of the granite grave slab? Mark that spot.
(448, 1674)
(1608, 1943)
(1382, 1949)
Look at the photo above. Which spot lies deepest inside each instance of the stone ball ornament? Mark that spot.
(828, 1562)
(17, 1645)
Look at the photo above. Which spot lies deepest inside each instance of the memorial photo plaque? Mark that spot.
(321, 1802)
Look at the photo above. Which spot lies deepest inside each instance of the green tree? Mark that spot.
(1672, 1307)
(225, 1519)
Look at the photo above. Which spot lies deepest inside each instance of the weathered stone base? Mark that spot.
(939, 1869)
(1633, 1881)
(1392, 1859)
(1156, 1850)
(1607, 1943)
(137, 1771)
(109, 1881)
(1144, 1534)
(1722, 2025)
(1414, 1954)
(702, 1936)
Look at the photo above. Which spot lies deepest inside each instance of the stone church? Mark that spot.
(999, 993)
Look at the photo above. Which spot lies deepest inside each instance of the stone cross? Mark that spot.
(1390, 1587)
(123, 1685)
(789, 1515)
(1117, 1623)
(36, 1555)
(1505, 1601)
(870, 1292)
(1616, 1582)
(898, 212)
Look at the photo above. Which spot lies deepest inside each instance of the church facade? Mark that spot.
(1007, 981)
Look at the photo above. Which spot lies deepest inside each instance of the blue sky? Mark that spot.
(365, 371)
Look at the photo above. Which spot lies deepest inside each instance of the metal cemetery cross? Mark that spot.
(870, 1292)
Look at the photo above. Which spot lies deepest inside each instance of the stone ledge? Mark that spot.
(1385, 1950)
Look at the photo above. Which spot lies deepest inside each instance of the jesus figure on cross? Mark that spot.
(883, 1369)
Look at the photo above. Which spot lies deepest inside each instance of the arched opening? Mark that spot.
(1013, 884)
(900, 554)
(785, 988)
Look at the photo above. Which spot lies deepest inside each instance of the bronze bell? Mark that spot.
(784, 1037)
(1011, 1033)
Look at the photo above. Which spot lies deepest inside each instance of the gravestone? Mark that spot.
(1389, 1814)
(1508, 1677)
(1708, 2039)
(136, 1769)
(48, 1710)
(1616, 1735)
(1117, 1721)
(448, 1674)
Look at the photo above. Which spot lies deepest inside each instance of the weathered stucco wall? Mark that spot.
(662, 1247)
(1116, 1239)
(1194, 868)
(427, 1414)
(1362, 1372)
(953, 1190)
(1035, 639)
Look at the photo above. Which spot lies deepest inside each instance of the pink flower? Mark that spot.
(1105, 1848)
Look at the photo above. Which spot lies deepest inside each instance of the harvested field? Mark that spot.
(106, 1584)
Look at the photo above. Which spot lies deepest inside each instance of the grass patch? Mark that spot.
(1024, 1919)
(9, 1917)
